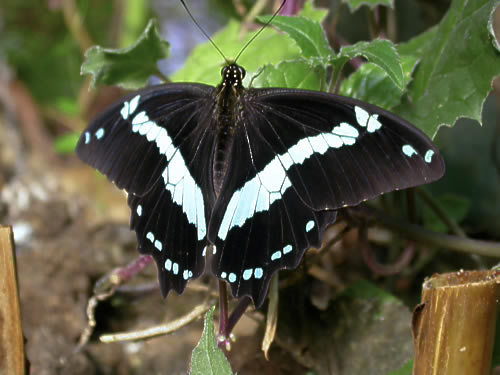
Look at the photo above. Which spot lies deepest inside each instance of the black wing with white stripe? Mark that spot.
(309, 153)
(151, 145)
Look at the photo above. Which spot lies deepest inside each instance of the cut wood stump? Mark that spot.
(12, 359)
(454, 326)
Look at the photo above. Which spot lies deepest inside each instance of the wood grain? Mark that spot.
(454, 326)
(12, 359)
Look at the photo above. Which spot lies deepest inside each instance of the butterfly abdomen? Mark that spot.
(227, 112)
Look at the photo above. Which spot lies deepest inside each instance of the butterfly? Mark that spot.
(246, 179)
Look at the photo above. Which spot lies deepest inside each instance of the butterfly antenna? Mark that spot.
(203, 31)
(261, 30)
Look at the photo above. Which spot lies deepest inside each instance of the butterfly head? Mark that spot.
(232, 75)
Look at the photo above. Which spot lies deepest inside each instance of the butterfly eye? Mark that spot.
(242, 72)
(223, 71)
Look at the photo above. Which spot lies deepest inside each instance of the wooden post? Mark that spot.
(11, 333)
(454, 326)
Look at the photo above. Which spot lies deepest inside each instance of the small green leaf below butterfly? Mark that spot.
(128, 67)
(372, 84)
(355, 4)
(207, 358)
(380, 52)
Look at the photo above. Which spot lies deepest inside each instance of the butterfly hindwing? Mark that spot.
(259, 224)
(152, 145)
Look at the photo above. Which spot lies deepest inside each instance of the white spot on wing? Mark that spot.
(258, 273)
(310, 225)
(133, 104)
(139, 210)
(150, 236)
(158, 245)
(287, 249)
(87, 138)
(247, 274)
(168, 264)
(409, 150)
(373, 124)
(361, 116)
(276, 255)
(428, 156)
(99, 133)
(232, 277)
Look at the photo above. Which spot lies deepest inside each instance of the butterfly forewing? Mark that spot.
(338, 151)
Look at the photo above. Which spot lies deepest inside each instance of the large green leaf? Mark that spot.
(204, 63)
(380, 52)
(300, 74)
(311, 12)
(128, 67)
(207, 358)
(372, 84)
(308, 35)
(355, 4)
(459, 62)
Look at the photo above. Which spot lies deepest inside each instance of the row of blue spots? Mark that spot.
(98, 134)
(277, 255)
(151, 237)
(271, 183)
(247, 274)
(174, 267)
(409, 151)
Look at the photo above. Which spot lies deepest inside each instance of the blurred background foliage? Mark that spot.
(42, 46)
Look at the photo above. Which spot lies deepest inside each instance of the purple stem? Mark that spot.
(134, 267)
(223, 313)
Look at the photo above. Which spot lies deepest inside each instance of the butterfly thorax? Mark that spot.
(226, 112)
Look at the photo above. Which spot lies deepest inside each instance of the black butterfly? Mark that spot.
(258, 173)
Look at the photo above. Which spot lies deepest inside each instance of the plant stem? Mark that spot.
(420, 234)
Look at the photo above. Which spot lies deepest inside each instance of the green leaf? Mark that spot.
(311, 12)
(355, 4)
(406, 369)
(293, 74)
(380, 52)
(417, 45)
(66, 144)
(204, 63)
(455, 206)
(372, 84)
(128, 67)
(457, 68)
(207, 358)
(308, 35)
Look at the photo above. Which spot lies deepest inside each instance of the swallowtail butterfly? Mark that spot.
(258, 173)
